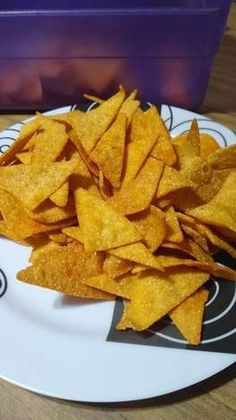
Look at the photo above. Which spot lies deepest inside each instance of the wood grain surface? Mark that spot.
(212, 399)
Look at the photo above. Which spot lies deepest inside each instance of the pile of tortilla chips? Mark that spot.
(113, 206)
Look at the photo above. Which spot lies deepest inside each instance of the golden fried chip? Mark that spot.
(32, 184)
(49, 142)
(189, 247)
(173, 180)
(138, 253)
(102, 226)
(216, 240)
(26, 132)
(152, 226)
(93, 98)
(83, 154)
(221, 210)
(24, 157)
(173, 229)
(115, 267)
(189, 148)
(224, 158)
(212, 268)
(42, 249)
(131, 198)
(208, 144)
(188, 316)
(18, 223)
(74, 232)
(154, 296)
(136, 153)
(60, 197)
(47, 212)
(164, 149)
(63, 269)
(90, 126)
(59, 237)
(129, 106)
(196, 236)
(108, 154)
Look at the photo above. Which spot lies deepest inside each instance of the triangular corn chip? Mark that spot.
(153, 296)
(32, 184)
(131, 198)
(152, 226)
(188, 316)
(62, 269)
(136, 154)
(50, 142)
(138, 253)
(109, 151)
(172, 180)
(60, 197)
(115, 267)
(74, 232)
(90, 126)
(102, 227)
(173, 229)
(164, 149)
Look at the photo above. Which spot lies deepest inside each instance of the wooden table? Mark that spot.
(213, 399)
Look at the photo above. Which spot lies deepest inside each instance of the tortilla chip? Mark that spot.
(221, 210)
(173, 229)
(90, 126)
(154, 296)
(74, 232)
(212, 268)
(93, 98)
(32, 184)
(152, 226)
(224, 158)
(47, 212)
(59, 237)
(63, 269)
(189, 148)
(217, 240)
(18, 223)
(138, 253)
(42, 249)
(24, 157)
(164, 149)
(173, 180)
(26, 132)
(49, 143)
(131, 198)
(188, 316)
(196, 236)
(84, 155)
(129, 106)
(109, 151)
(189, 247)
(102, 226)
(60, 197)
(136, 154)
(116, 267)
(208, 144)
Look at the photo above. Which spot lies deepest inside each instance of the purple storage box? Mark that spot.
(53, 51)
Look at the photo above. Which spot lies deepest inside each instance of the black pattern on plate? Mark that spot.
(3, 283)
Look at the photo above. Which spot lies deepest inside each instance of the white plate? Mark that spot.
(57, 346)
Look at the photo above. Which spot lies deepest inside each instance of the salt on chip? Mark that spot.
(189, 147)
(121, 287)
(154, 296)
(130, 198)
(216, 240)
(173, 229)
(32, 184)
(208, 144)
(189, 247)
(129, 106)
(102, 226)
(90, 126)
(42, 249)
(195, 235)
(82, 152)
(63, 269)
(108, 154)
(138, 253)
(152, 226)
(188, 316)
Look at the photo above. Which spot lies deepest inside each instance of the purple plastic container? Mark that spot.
(53, 51)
